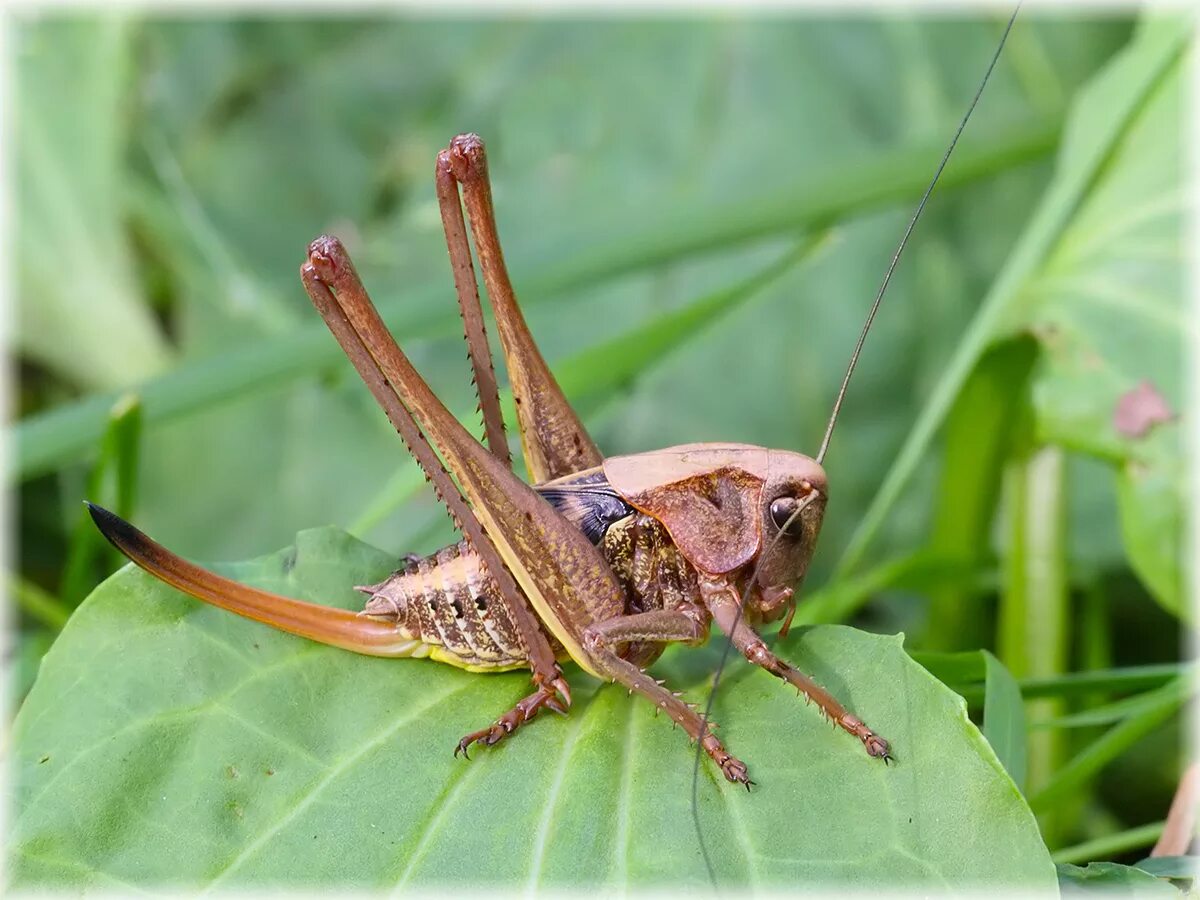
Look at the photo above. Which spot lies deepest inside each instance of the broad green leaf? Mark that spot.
(1096, 278)
(1150, 496)
(1108, 307)
(167, 743)
(1004, 717)
(1171, 866)
(1003, 707)
(1109, 879)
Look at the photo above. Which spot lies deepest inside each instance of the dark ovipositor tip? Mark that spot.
(99, 514)
(118, 532)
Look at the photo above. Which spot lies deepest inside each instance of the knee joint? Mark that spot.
(592, 640)
(758, 654)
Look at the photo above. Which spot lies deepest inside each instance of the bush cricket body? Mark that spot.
(600, 561)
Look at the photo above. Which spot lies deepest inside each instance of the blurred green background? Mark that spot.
(696, 215)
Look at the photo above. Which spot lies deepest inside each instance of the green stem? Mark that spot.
(38, 603)
(978, 433)
(1111, 844)
(1034, 605)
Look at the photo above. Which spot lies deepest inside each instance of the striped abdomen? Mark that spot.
(451, 606)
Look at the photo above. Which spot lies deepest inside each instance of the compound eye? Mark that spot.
(782, 510)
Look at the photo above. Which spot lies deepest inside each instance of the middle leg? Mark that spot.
(525, 710)
(690, 625)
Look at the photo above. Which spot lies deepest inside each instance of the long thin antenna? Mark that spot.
(708, 864)
(887, 277)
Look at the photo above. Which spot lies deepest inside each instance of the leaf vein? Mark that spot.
(334, 772)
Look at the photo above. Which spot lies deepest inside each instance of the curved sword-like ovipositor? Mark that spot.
(602, 561)
(326, 624)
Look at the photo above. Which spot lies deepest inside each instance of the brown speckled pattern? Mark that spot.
(449, 601)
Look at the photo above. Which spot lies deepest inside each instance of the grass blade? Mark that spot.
(54, 438)
(1004, 718)
(1116, 711)
(1110, 844)
(113, 483)
(37, 603)
(1088, 763)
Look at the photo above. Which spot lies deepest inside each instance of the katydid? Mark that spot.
(599, 561)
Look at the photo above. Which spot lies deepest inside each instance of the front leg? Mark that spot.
(721, 598)
(690, 625)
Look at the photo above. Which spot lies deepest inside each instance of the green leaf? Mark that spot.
(1096, 277)
(1003, 706)
(1111, 879)
(1108, 308)
(79, 310)
(1150, 492)
(167, 742)
(1004, 718)
(1171, 866)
